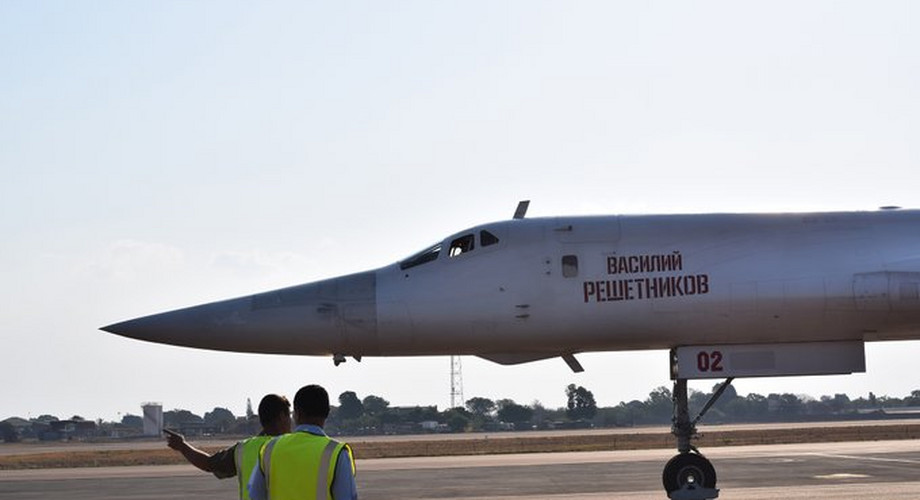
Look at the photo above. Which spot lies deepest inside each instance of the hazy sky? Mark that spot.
(163, 154)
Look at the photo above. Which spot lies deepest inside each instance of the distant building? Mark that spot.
(153, 419)
(893, 412)
(71, 429)
(906, 411)
(429, 425)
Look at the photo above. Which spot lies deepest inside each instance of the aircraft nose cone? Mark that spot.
(218, 325)
(325, 317)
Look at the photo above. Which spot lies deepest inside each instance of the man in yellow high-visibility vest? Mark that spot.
(305, 464)
(239, 459)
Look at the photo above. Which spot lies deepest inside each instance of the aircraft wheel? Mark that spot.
(688, 468)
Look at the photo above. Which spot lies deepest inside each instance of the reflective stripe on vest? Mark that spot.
(246, 456)
(300, 465)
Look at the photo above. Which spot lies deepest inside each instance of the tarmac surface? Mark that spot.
(879, 469)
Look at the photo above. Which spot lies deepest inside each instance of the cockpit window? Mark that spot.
(427, 255)
(461, 245)
(487, 238)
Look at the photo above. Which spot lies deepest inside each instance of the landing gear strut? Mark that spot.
(689, 475)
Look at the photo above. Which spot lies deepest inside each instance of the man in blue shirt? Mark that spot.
(284, 459)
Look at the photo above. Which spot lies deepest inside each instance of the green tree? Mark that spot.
(635, 412)
(132, 421)
(913, 399)
(509, 411)
(480, 406)
(581, 404)
(785, 405)
(375, 405)
(543, 416)
(176, 418)
(350, 407)
(457, 419)
(221, 418)
(8, 432)
(728, 396)
(660, 405)
(838, 404)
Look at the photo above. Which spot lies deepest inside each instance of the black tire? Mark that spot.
(688, 468)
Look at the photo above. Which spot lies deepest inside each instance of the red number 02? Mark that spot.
(709, 361)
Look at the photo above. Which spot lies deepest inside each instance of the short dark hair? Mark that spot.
(312, 401)
(271, 407)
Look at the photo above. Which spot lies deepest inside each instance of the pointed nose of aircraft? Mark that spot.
(335, 316)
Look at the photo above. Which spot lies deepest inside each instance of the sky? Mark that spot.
(156, 155)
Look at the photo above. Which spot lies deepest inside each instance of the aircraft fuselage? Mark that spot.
(526, 289)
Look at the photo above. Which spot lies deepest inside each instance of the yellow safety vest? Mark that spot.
(246, 456)
(300, 466)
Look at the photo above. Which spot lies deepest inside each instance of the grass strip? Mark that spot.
(475, 445)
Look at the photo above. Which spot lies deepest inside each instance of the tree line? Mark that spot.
(373, 414)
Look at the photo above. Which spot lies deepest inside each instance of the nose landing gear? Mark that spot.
(689, 475)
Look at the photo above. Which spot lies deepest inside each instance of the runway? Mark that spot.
(881, 469)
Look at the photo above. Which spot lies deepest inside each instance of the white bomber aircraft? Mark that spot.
(731, 295)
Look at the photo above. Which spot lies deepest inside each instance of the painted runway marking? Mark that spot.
(869, 459)
(843, 476)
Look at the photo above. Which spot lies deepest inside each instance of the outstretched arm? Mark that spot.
(194, 456)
